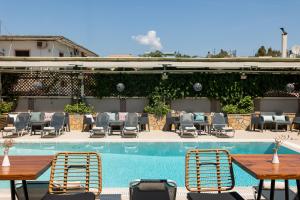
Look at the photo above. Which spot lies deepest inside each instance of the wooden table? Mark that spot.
(261, 167)
(24, 168)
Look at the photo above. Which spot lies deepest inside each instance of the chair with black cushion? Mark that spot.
(144, 121)
(152, 190)
(209, 175)
(79, 196)
(254, 121)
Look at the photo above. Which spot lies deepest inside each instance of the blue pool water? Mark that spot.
(124, 162)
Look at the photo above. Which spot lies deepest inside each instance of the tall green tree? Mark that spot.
(221, 54)
(261, 51)
(156, 53)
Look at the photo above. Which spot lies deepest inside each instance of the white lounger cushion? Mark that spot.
(70, 184)
(279, 118)
(9, 128)
(192, 128)
(128, 128)
(49, 128)
(267, 118)
(98, 128)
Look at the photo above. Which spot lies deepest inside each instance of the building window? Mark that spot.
(22, 53)
(61, 54)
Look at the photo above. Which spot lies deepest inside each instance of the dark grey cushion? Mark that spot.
(214, 196)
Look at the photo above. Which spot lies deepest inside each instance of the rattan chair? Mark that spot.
(208, 171)
(73, 172)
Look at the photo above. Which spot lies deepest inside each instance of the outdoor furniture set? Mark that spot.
(127, 123)
(208, 175)
(186, 124)
(273, 120)
(45, 123)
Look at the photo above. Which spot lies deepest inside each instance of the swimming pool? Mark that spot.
(124, 162)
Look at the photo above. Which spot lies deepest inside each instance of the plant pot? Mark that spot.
(239, 121)
(76, 122)
(157, 123)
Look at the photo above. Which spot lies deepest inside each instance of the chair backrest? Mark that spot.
(58, 120)
(102, 120)
(22, 121)
(187, 119)
(208, 170)
(131, 120)
(218, 121)
(37, 116)
(153, 189)
(73, 172)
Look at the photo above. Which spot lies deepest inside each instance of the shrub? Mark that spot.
(6, 107)
(80, 108)
(159, 109)
(245, 105)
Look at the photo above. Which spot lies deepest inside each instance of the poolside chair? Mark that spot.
(254, 121)
(187, 125)
(266, 118)
(101, 125)
(20, 125)
(88, 122)
(208, 171)
(296, 122)
(74, 176)
(220, 127)
(152, 190)
(131, 125)
(56, 125)
(281, 120)
(144, 121)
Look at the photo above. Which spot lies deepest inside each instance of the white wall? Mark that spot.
(52, 49)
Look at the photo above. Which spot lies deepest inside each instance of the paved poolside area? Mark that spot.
(160, 136)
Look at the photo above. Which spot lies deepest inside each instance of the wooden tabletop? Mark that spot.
(260, 165)
(25, 167)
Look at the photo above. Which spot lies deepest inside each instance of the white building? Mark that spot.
(41, 46)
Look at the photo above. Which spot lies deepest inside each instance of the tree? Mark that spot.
(221, 54)
(177, 54)
(261, 52)
(273, 53)
(156, 53)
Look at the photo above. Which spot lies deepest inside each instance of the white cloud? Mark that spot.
(150, 39)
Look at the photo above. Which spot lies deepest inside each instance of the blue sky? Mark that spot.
(190, 26)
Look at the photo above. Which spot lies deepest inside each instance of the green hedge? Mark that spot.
(226, 87)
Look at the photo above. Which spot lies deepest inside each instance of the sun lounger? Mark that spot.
(266, 118)
(152, 190)
(20, 125)
(281, 120)
(187, 125)
(209, 171)
(220, 127)
(131, 125)
(56, 125)
(101, 125)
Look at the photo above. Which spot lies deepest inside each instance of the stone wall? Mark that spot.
(239, 121)
(76, 122)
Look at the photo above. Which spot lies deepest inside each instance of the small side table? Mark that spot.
(34, 125)
(116, 124)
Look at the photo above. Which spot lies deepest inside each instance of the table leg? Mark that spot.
(298, 188)
(12, 190)
(286, 186)
(272, 190)
(261, 182)
(25, 189)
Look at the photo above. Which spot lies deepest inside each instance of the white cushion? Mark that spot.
(97, 128)
(70, 184)
(14, 116)
(267, 118)
(279, 118)
(130, 128)
(190, 128)
(90, 117)
(9, 128)
(49, 128)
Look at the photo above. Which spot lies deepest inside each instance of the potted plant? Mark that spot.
(5, 108)
(157, 110)
(76, 112)
(238, 114)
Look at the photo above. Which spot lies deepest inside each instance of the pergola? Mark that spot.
(144, 65)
